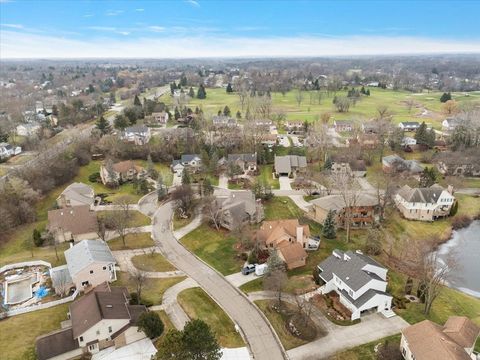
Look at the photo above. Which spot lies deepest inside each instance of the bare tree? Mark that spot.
(350, 193)
(213, 210)
(183, 196)
(121, 218)
(62, 284)
(299, 96)
(276, 277)
(139, 278)
(304, 309)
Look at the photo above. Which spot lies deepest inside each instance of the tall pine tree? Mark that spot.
(229, 88)
(103, 126)
(201, 93)
(329, 226)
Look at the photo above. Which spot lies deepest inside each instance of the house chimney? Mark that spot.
(450, 189)
(300, 234)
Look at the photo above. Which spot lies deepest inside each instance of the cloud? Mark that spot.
(139, 10)
(194, 3)
(109, 29)
(114, 12)
(88, 15)
(155, 28)
(13, 26)
(14, 44)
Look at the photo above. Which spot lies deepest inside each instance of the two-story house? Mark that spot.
(295, 127)
(424, 204)
(89, 263)
(427, 340)
(288, 237)
(193, 162)
(73, 223)
(222, 121)
(360, 282)
(118, 173)
(409, 125)
(396, 164)
(363, 209)
(343, 125)
(76, 194)
(289, 165)
(239, 207)
(449, 124)
(101, 319)
(160, 118)
(246, 162)
(139, 135)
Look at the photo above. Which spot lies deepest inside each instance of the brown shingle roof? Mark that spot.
(462, 330)
(292, 252)
(55, 343)
(271, 231)
(427, 340)
(123, 166)
(77, 220)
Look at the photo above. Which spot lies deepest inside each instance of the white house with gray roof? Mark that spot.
(89, 263)
(76, 194)
(360, 282)
(191, 161)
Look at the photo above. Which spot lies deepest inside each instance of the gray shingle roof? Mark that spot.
(421, 195)
(189, 157)
(349, 271)
(243, 157)
(284, 164)
(85, 253)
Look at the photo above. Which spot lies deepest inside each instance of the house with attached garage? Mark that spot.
(246, 162)
(221, 121)
(289, 165)
(360, 282)
(237, 208)
(449, 124)
(139, 135)
(409, 125)
(396, 164)
(101, 319)
(427, 340)
(159, 118)
(76, 194)
(190, 161)
(118, 173)
(424, 204)
(89, 263)
(73, 223)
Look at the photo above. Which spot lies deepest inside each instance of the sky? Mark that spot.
(208, 28)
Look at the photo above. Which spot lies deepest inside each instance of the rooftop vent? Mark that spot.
(109, 306)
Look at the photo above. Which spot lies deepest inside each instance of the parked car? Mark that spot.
(250, 268)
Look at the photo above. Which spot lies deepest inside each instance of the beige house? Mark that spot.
(90, 263)
(73, 223)
(160, 118)
(424, 204)
(239, 207)
(288, 237)
(427, 340)
(120, 172)
(76, 194)
(101, 319)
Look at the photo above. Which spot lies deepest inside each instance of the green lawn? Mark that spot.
(365, 351)
(214, 247)
(137, 218)
(132, 241)
(178, 222)
(281, 207)
(198, 305)
(266, 175)
(278, 322)
(153, 289)
(152, 262)
(18, 333)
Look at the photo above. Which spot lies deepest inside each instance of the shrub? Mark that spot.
(151, 324)
(133, 298)
(37, 238)
(461, 221)
(94, 177)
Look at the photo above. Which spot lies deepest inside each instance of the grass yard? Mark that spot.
(281, 207)
(198, 305)
(132, 241)
(162, 169)
(167, 323)
(266, 175)
(278, 322)
(137, 218)
(178, 222)
(252, 286)
(365, 351)
(18, 332)
(153, 289)
(152, 262)
(214, 247)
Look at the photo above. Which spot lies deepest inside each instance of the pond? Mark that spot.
(465, 245)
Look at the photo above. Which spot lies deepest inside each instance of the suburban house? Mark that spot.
(289, 165)
(28, 129)
(343, 125)
(370, 127)
(396, 164)
(139, 134)
(409, 125)
(220, 121)
(191, 161)
(288, 237)
(359, 281)
(76, 194)
(424, 204)
(246, 162)
(73, 223)
(7, 150)
(408, 141)
(427, 340)
(268, 140)
(295, 127)
(101, 319)
(368, 140)
(363, 212)
(355, 168)
(120, 172)
(465, 163)
(449, 124)
(160, 118)
(239, 207)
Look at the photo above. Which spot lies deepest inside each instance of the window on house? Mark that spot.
(91, 271)
(81, 338)
(104, 268)
(98, 332)
(109, 329)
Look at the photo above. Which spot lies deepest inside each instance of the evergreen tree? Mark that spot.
(239, 115)
(151, 324)
(229, 88)
(201, 92)
(329, 226)
(428, 177)
(328, 164)
(161, 189)
(185, 177)
(103, 126)
(367, 92)
(421, 134)
(136, 101)
(191, 93)
(177, 114)
(362, 90)
(120, 122)
(226, 111)
(37, 238)
(183, 80)
(207, 187)
(445, 97)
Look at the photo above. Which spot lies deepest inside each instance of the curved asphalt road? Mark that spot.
(260, 337)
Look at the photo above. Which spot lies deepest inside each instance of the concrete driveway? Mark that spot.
(283, 140)
(285, 182)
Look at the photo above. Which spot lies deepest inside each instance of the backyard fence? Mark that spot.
(42, 306)
(25, 264)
